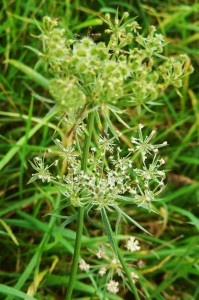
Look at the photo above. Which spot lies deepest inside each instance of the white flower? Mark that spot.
(151, 172)
(102, 271)
(106, 143)
(115, 262)
(101, 253)
(143, 145)
(133, 244)
(83, 265)
(38, 159)
(134, 276)
(134, 26)
(56, 162)
(147, 196)
(112, 286)
(43, 172)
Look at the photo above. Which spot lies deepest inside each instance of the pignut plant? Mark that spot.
(93, 83)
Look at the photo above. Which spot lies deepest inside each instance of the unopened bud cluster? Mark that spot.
(130, 70)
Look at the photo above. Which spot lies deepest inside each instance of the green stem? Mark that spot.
(80, 222)
(113, 242)
(128, 274)
(87, 142)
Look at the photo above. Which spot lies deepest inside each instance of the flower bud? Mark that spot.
(125, 15)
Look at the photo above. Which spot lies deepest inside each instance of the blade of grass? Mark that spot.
(6, 290)
(32, 74)
(23, 139)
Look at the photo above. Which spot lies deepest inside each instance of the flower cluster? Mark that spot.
(173, 71)
(143, 145)
(127, 71)
(43, 172)
(109, 175)
(149, 179)
(109, 267)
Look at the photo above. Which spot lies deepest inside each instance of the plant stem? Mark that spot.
(128, 274)
(87, 141)
(113, 242)
(80, 222)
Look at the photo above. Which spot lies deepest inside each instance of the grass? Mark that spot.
(35, 251)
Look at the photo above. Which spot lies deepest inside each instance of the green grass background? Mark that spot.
(33, 250)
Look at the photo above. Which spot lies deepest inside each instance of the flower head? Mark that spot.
(112, 286)
(43, 172)
(143, 145)
(133, 244)
(102, 271)
(83, 265)
(134, 276)
(101, 253)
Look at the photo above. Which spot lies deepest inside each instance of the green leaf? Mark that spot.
(194, 220)
(42, 99)
(4, 289)
(189, 160)
(181, 192)
(9, 231)
(23, 140)
(128, 22)
(32, 74)
(108, 229)
(130, 219)
(88, 217)
(117, 223)
(68, 221)
(34, 50)
(110, 125)
(87, 23)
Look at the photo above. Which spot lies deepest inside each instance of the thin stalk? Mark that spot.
(80, 222)
(128, 274)
(116, 248)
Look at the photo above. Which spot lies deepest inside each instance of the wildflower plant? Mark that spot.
(89, 82)
(106, 268)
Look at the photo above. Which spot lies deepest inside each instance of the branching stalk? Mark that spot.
(128, 274)
(80, 222)
(116, 249)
